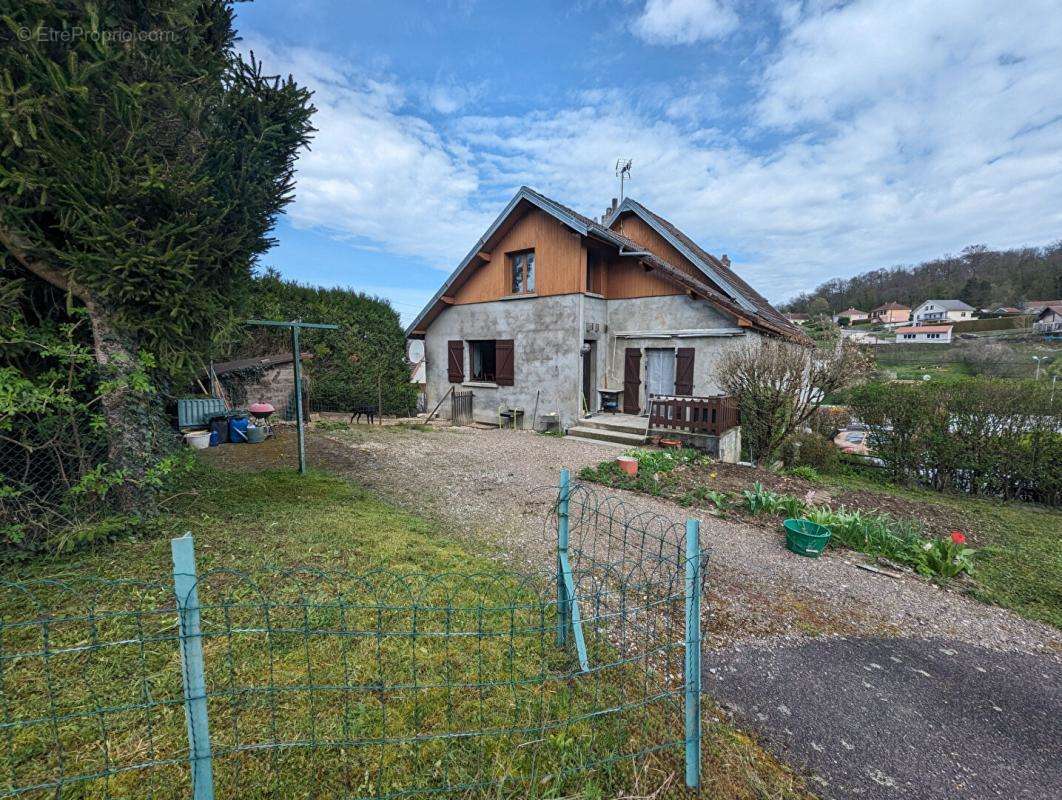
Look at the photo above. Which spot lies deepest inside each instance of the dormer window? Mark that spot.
(522, 271)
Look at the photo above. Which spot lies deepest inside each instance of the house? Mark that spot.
(1034, 307)
(852, 315)
(1049, 320)
(935, 334)
(549, 307)
(1006, 310)
(890, 313)
(798, 319)
(933, 311)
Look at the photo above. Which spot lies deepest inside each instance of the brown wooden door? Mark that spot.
(632, 380)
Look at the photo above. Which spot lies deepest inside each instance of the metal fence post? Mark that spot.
(693, 653)
(300, 432)
(563, 601)
(192, 667)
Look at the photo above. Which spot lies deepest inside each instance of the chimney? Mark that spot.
(726, 260)
(615, 205)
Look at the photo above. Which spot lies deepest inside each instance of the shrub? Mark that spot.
(812, 450)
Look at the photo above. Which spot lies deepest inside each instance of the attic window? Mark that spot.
(522, 271)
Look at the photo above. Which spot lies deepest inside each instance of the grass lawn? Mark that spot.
(1021, 563)
(112, 681)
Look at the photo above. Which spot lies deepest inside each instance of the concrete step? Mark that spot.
(622, 425)
(605, 435)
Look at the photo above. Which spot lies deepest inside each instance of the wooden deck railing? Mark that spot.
(712, 415)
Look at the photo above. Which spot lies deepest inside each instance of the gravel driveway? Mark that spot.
(963, 702)
(497, 486)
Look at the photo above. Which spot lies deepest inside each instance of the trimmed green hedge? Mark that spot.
(981, 436)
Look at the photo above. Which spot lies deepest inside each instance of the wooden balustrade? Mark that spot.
(712, 415)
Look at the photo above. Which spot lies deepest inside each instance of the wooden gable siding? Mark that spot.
(627, 278)
(560, 261)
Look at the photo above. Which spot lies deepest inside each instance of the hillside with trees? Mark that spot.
(981, 277)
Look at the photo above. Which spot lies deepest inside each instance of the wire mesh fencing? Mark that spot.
(310, 683)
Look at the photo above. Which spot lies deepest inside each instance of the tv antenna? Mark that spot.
(623, 172)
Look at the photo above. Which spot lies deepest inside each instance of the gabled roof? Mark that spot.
(848, 311)
(892, 307)
(1055, 308)
(745, 304)
(950, 305)
(925, 329)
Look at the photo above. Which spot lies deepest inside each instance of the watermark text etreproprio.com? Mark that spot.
(78, 33)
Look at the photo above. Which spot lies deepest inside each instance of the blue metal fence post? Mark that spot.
(563, 601)
(192, 667)
(693, 653)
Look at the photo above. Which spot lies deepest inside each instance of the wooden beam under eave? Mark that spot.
(484, 255)
(448, 300)
(744, 323)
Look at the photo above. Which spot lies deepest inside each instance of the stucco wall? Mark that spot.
(546, 339)
(669, 314)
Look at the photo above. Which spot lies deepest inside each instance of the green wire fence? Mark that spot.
(309, 683)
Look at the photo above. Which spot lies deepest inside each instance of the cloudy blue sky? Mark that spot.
(808, 140)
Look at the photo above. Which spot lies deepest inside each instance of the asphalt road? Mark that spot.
(901, 718)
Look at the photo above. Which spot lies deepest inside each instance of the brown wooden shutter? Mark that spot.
(632, 380)
(684, 371)
(455, 360)
(503, 362)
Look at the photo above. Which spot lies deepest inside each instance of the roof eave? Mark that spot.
(708, 269)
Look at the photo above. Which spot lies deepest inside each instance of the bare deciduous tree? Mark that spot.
(780, 385)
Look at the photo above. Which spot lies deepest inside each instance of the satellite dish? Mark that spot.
(927, 377)
(415, 350)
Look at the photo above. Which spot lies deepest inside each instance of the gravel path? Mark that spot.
(496, 486)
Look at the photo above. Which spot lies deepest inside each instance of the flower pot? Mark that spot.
(670, 444)
(805, 538)
(628, 464)
(200, 440)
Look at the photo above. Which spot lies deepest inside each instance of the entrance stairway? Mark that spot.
(622, 429)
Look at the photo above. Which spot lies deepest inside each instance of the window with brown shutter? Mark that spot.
(455, 360)
(504, 356)
(684, 371)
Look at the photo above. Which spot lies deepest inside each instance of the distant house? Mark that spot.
(890, 313)
(935, 334)
(1049, 320)
(1034, 307)
(798, 319)
(1006, 310)
(932, 311)
(852, 315)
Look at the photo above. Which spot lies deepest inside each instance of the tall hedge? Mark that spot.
(347, 367)
(1000, 438)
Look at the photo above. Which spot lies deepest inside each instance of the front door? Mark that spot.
(632, 379)
(659, 372)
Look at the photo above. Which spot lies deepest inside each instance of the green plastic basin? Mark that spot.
(806, 538)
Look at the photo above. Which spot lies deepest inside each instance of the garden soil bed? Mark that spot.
(938, 520)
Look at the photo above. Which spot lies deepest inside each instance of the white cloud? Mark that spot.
(377, 173)
(672, 22)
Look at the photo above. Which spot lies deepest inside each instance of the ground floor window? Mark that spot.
(483, 359)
